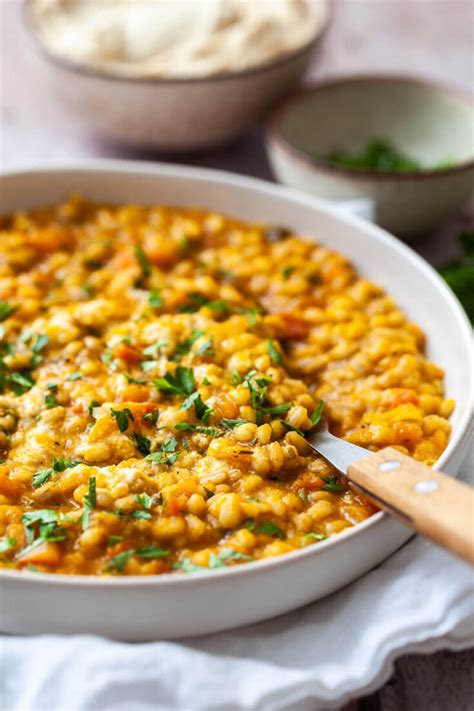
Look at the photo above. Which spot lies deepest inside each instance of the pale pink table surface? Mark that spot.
(432, 38)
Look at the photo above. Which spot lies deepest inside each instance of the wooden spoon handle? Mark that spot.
(435, 504)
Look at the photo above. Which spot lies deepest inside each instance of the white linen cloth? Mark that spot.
(418, 600)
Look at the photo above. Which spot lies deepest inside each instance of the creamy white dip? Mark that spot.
(176, 38)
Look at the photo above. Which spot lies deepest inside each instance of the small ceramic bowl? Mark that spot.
(174, 115)
(431, 123)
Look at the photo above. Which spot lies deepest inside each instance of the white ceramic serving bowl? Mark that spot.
(179, 604)
(173, 115)
(429, 122)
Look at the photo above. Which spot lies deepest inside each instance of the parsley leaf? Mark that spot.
(317, 413)
(142, 260)
(286, 272)
(332, 484)
(50, 401)
(143, 443)
(74, 376)
(145, 500)
(155, 299)
(92, 406)
(40, 343)
(203, 412)
(6, 310)
(167, 453)
(189, 427)
(6, 544)
(269, 528)
(90, 501)
(119, 561)
(230, 424)
(122, 417)
(274, 354)
(153, 552)
(181, 382)
(314, 536)
(20, 382)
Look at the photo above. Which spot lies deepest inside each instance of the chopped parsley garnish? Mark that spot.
(20, 383)
(167, 453)
(108, 358)
(203, 412)
(252, 314)
(269, 528)
(154, 348)
(147, 365)
(459, 274)
(332, 484)
(145, 500)
(135, 381)
(122, 418)
(183, 347)
(274, 353)
(317, 413)
(143, 443)
(74, 376)
(181, 382)
(290, 428)
(197, 300)
(151, 417)
(40, 343)
(92, 406)
(88, 290)
(314, 536)
(189, 427)
(6, 310)
(50, 400)
(286, 272)
(155, 299)
(6, 544)
(206, 348)
(41, 525)
(379, 154)
(119, 561)
(216, 560)
(153, 552)
(90, 501)
(142, 260)
(230, 424)
(57, 465)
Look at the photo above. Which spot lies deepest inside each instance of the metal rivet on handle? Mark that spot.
(389, 466)
(426, 486)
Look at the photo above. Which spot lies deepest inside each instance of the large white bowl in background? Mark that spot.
(174, 115)
(176, 605)
(428, 121)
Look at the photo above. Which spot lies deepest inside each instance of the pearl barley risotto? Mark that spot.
(160, 369)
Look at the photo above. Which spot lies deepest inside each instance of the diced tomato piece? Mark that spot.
(126, 353)
(45, 554)
(293, 327)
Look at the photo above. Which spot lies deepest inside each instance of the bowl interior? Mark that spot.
(430, 123)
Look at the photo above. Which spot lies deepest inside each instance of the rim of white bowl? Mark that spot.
(98, 73)
(191, 173)
(276, 139)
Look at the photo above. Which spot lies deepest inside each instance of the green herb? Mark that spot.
(277, 409)
(317, 413)
(302, 493)
(179, 383)
(40, 343)
(145, 500)
(148, 365)
(20, 383)
(379, 154)
(286, 272)
(153, 552)
(90, 501)
(154, 348)
(268, 528)
(118, 562)
(122, 417)
(274, 354)
(314, 536)
(290, 428)
(209, 492)
(57, 465)
(108, 358)
(206, 349)
(332, 484)
(142, 515)
(235, 378)
(114, 539)
(74, 376)
(167, 453)
(45, 523)
(142, 260)
(203, 412)
(143, 443)
(459, 274)
(6, 310)
(41, 477)
(230, 424)
(188, 567)
(226, 555)
(88, 290)
(92, 406)
(50, 401)
(197, 300)
(151, 417)
(250, 524)
(252, 313)
(183, 347)
(129, 379)
(189, 427)
(155, 299)
(6, 544)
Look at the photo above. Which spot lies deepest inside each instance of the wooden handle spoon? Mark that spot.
(429, 501)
